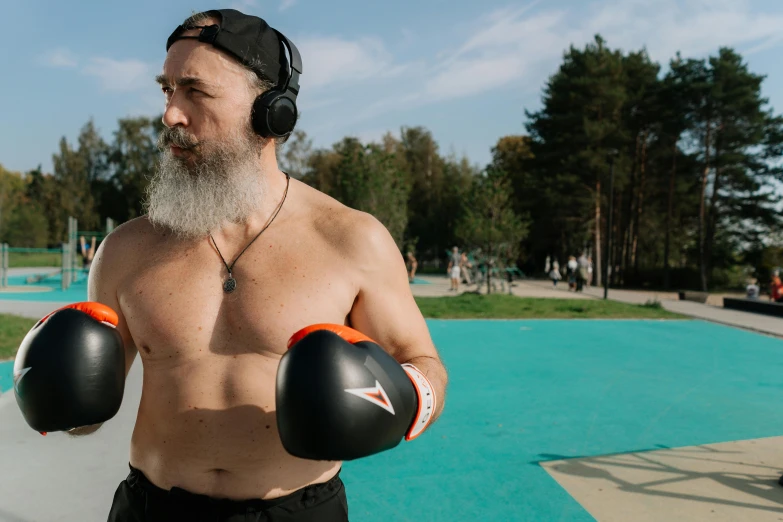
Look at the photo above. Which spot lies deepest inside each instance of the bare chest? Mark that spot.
(176, 308)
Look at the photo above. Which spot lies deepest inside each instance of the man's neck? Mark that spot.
(234, 236)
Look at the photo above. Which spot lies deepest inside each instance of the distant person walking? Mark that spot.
(571, 272)
(776, 288)
(465, 266)
(581, 273)
(453, 269)
(752, 291)
(554, 274)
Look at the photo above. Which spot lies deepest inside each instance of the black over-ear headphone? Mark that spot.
(274, 112)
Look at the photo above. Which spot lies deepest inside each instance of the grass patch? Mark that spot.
(466, 306)
(12, 330)
(502, 306)
(34, 259)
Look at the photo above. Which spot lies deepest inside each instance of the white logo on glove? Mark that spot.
(376, 395)
(18, 377)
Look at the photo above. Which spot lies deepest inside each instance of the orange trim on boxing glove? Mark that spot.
(97, 311)
(346, 332)
(426, 396)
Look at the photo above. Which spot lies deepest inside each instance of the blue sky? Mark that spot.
(466, 70)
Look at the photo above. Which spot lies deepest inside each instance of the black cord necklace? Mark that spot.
(231, 284)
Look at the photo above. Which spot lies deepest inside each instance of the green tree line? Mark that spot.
(696, 152)
(694, 187)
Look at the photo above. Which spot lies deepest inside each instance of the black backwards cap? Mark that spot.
(248, 38)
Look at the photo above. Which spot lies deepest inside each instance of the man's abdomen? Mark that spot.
(208, 426)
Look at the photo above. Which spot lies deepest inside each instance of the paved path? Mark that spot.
(669, 300)
(31, 309)
(59, 478)
(438, 286)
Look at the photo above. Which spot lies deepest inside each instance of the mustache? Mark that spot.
(177, 137)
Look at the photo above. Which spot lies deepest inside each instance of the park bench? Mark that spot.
(754, 305)
(689, 295)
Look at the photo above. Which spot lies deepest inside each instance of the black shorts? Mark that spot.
(137, 499)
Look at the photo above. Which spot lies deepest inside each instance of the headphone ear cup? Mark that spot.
(260, 115)
(274, 114)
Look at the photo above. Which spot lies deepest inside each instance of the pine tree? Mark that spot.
(580, 121)
(738, 197)
(639, 130)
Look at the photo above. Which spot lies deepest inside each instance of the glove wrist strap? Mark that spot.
(426, 403)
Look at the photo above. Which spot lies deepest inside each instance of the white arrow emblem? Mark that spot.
(18, 377)
(376, 395)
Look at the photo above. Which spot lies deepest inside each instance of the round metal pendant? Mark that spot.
(230, 285)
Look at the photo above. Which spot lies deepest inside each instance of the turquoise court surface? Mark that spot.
(523, 392)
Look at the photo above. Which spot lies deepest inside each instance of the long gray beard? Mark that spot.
(225, 186)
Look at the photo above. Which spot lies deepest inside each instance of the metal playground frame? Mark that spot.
(69, 267)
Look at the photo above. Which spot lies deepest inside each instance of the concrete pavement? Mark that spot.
(723, 482)
(30, 309)
(438, 286)
(670, 301)
(59, 478)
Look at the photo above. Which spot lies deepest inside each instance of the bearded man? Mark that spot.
(276, 327)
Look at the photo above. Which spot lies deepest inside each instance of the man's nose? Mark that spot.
(175, 114)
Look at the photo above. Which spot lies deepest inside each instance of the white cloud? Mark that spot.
(248, 6)
(330, 60)
(693, 27)
(772, 41)
(243, 5)
(521, 47)
(507, 47)
(120, 75)
(466, 77)
(60, 57)
(507, 27)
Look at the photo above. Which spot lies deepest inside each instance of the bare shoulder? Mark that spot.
(356, 235)
(127, 238)
(120, 251)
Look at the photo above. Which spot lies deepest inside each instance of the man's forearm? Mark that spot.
(434, 370)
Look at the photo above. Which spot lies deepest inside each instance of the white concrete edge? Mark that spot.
(7, 397)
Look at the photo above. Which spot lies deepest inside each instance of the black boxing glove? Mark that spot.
(340, 396)
(69, 371)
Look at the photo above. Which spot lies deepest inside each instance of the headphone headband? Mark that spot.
(295, 65)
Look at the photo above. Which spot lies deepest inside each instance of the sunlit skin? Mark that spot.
(206, 422)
